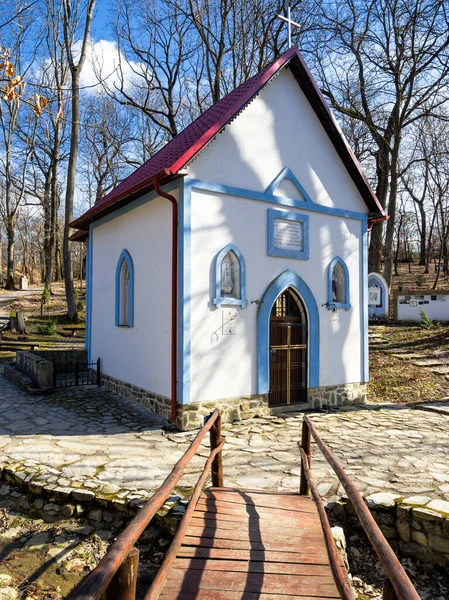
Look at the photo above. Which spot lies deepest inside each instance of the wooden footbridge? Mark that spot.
(235, 544)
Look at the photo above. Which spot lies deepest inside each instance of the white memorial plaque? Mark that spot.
(288, 235)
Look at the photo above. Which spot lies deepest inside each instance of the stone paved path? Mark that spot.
(93, 442)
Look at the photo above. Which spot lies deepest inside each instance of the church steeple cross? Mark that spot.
(289, 21)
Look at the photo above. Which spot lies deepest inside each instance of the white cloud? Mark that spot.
(104, 63)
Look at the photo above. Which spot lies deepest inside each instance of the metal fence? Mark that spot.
(77, 373)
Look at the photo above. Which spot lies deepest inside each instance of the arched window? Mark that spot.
(124, 291)
(338, 285)
(230, 277)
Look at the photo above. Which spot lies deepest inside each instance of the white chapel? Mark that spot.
(231, 268)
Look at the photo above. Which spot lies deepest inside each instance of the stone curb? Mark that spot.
(59, 502)
(417, 525)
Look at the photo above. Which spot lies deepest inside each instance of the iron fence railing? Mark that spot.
(77, 373)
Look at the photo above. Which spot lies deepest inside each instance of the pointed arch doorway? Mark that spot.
(288, 350)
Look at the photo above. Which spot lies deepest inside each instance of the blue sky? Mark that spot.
(100, 29)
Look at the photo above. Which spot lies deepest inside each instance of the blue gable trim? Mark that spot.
(218, 300)
(364, 301)
(330, 304)
(273, 250)
(278, 285)
(287, 173)
(272, 199)
(89, 261)
(125, 255)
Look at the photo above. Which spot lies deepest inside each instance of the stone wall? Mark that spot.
(62, 357)
(38, 369)
(154, 402)
(191, 416)
(416, 526)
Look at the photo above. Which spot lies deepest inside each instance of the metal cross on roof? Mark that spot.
(288, 20)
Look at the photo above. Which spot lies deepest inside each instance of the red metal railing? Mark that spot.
(116, 573)
(398, 585)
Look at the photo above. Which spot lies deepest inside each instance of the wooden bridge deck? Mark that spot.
(247, 544)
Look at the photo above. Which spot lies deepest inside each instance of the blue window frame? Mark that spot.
(288, 234)
(230, 278)
(124, 291)
(338, 285)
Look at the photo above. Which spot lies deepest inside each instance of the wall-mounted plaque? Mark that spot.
(288, 234)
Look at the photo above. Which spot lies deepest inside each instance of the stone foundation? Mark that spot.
(161, 405)
(191, 416)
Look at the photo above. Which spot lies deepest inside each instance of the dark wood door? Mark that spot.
(288, 352)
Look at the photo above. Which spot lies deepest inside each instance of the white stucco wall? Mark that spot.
(224, 366)
(279, 129)
(140, 355)
(409, 307)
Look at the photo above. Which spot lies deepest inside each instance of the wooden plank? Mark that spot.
(266, 583)
(296, 536)
(240, 509)
(302, 556)
(205, 564)
(252, 524)
(318, 549)
(286, 503)
(221, 595)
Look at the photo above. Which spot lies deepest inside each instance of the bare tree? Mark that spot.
(15, 116)
(386, 64)
(71, 18)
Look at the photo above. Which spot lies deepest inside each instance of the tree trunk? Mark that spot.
(375, 247)
(1, 261)
(389, 236)
(422, 241)
(70, 193)
(11, 247)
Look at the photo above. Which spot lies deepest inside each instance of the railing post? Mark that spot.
(217, 464)
(306, 445)
(388, 592)
(123, 584)
(98, 372)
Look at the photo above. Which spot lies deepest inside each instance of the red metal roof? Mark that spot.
(179, 151)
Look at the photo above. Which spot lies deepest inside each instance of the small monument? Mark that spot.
(378, 297)
(23, 282)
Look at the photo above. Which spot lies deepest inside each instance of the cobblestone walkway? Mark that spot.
(90, 442)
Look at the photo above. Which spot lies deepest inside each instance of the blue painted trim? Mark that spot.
(272, 199)
(218, 300)
(276, 287)
(330, 304)
(89, 266)
(287, 173)
(364, 301)
(273, 250)
(173, 185)
(124, 256)
(185, 300)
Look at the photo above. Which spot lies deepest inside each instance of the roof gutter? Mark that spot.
(372, 220)
(174, 298)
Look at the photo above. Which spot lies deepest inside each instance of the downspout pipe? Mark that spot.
(174, 298)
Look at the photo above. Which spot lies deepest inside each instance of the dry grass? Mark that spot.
(36, 318)
(399, 381)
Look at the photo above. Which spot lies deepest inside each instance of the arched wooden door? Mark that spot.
(288, 350)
